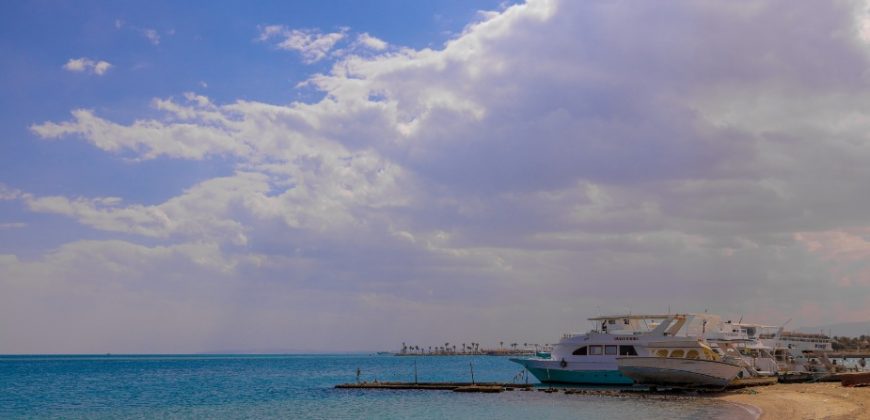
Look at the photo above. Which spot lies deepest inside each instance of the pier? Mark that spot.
(485, 387)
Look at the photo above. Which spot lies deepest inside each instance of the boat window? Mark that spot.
(611, 321)
(692, 354)
(677, 353)
(610, 350)
(595, 350)
(662, 353)
(627, 351)
(625, 321)
(580, 352)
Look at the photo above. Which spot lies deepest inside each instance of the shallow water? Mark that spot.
(296, 386)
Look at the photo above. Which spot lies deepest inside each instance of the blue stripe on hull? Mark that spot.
(580, 377)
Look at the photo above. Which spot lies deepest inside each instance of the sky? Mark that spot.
(349, 176)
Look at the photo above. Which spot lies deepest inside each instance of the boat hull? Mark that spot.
(693, 373)
(551, 371)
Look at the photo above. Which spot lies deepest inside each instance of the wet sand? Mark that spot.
(828, 400)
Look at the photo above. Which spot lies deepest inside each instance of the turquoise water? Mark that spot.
(296, 387)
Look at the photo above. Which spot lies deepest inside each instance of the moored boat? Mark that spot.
(685, 363)
(591, 358)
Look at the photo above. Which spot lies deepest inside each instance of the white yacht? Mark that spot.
(591, 358)
(796, 351)
(797, 343)
(742, 340)
(681, 362)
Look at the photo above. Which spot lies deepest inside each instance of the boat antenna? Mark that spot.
(740, 321)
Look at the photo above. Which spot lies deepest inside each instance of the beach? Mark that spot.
(827, 400)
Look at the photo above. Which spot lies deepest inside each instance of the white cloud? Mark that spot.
(371, 42)
(12, 225)
(77, 64)
(151, 35)
(149, 138)
(101, 67)
(87, 65)
(577, 149)
(7, 193)
(311, 44)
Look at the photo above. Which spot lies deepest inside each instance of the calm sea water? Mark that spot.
(296, 387)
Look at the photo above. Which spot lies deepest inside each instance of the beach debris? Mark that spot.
(855, 379)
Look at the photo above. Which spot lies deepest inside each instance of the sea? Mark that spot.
(300, 387)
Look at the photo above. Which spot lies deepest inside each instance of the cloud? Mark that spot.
(7, 193)
(151, 35)
(12, 225)
(710, 153)
(311, 44)
(847, 251)
(371, 42)
(86, 65)
(149, 138)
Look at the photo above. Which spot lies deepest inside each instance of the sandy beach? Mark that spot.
(828, 400)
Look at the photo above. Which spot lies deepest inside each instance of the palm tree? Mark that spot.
(501, 343)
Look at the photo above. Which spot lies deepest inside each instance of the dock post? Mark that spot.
(472, 372)
(357, 375)
(415, 371)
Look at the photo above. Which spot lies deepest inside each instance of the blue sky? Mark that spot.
(210, 50)
(352, 175)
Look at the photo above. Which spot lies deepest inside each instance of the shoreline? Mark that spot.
(824, 400)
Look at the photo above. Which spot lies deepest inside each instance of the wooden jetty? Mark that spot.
(486, 387)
